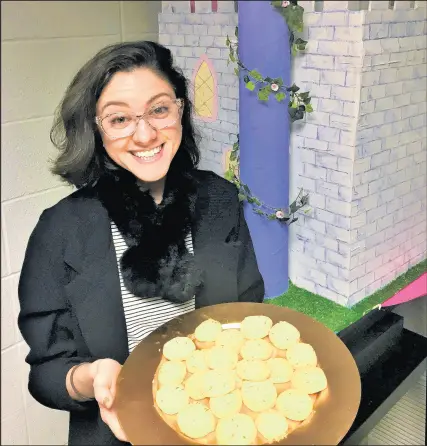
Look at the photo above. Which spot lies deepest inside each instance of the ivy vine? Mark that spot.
(298, 105)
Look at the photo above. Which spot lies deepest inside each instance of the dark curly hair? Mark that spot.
(83, 158)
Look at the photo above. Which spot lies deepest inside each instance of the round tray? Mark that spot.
(334, 411)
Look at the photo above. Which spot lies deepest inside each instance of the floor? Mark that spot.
(404, 424)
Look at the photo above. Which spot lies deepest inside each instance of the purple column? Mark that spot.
(264, 137)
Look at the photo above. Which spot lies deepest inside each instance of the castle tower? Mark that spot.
(362, 153)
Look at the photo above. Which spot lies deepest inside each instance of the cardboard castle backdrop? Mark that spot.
(361, 155)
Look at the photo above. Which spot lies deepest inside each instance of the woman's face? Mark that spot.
(149, 151)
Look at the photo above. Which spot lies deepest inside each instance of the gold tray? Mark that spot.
(335, 410)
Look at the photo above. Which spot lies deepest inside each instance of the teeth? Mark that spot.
(148, 153)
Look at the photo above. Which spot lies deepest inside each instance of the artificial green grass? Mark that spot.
(335, 316)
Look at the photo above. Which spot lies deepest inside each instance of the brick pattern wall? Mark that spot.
(43, 46)
(361, 154)
(322, 151)
(191, 35)
(390, 184)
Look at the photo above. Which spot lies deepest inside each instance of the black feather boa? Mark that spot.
(157, 262)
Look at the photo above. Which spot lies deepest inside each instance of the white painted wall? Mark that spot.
(43, 43)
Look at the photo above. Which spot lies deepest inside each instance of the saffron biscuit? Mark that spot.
(283, 335)
(178, 349)
(301, 355)
(196, 420)
(226, 405)
(256, 327)
(272, 425)
(239, 429)
(294, 404)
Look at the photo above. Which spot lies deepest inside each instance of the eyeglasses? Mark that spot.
(123, 124)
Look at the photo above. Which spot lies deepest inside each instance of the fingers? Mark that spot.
(101, 387)
(106, 372)
(104, 383)
(109, 417)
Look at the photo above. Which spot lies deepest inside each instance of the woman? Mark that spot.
(145, 238)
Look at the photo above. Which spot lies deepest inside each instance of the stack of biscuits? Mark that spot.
(246, 386)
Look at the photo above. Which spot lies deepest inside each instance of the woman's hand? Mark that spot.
(104, 373)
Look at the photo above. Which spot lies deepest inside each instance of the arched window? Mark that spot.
(205, 90)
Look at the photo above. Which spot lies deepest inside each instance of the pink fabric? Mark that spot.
(417, 288)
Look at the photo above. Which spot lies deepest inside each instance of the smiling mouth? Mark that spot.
(149, 155)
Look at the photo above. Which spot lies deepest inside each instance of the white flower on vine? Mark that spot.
(280, 215)
(274, 87)
(285, 4)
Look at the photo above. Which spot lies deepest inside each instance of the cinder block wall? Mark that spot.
(191, 35)
(362, 153)
(43, 44)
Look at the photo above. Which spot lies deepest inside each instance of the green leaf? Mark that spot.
(299, 41)
(233, 156)
(301, 44)
(304, 95)
(250, 86)
(293, 88)
(229, 175)
(268, 80)
(294, 104)
(246, 188)
(227, 42)
(276, 3)
(242, 197)
(256, 75)
(272, 217)
(293, 207)
(256, 201)
(280, 96)
(278, 81)
(305, 200)
(294, 50)
(236, 71)
(263, 95)
(232, 58)
(236, 146)
(308, 108)
(293, 15)
(246, 79)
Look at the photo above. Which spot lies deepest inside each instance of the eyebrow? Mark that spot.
(120, 103)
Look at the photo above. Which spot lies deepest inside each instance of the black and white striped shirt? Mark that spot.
(145, 315)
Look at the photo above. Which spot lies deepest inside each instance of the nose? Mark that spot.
(144, 132)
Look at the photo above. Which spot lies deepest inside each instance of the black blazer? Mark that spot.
(69, 290)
